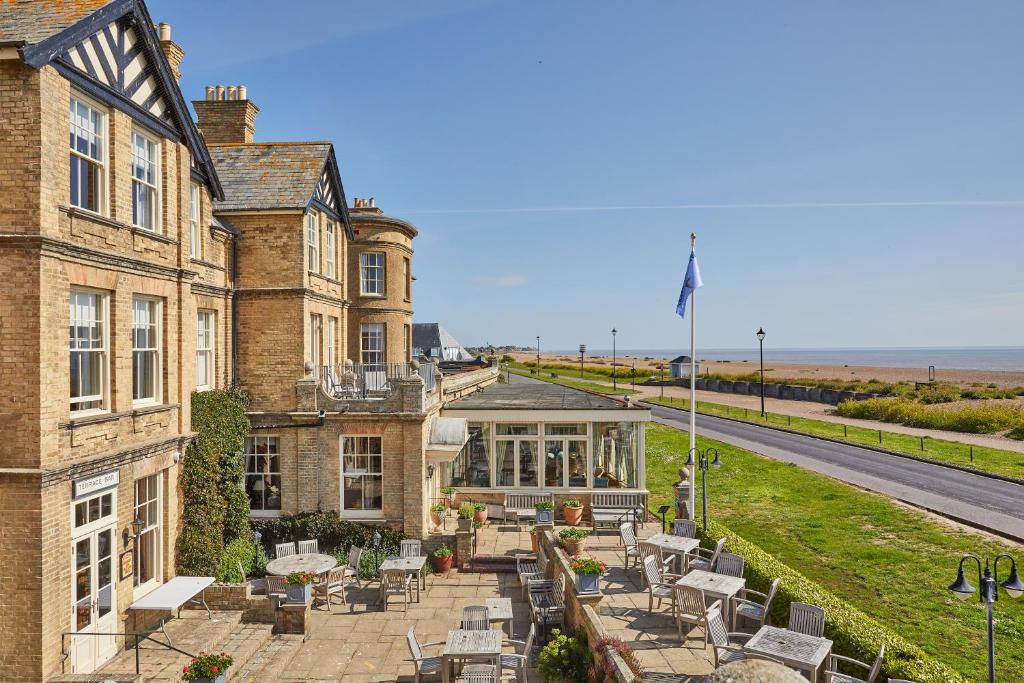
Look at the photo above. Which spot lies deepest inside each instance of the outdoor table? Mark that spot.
(173, 595)
(800, 651)
(500, 610)
(717, 587)
(409, 565)
(478, 645)
(303, 562)
(674, 545)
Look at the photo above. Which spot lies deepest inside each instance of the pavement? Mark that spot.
(990, 504)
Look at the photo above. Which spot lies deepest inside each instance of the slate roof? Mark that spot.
(268, 175)
(430, 336)
(32, 21)
(536, 397)
(680, 359)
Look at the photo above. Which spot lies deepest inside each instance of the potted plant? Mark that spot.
(437, 513)
(207, 668)
(442, 559)
(534, 542)
(449, 492)
(545, 512)
(299, 587)
(479, 513)
(588, 574)
(573, 539)
(572, 511)
(466, 516)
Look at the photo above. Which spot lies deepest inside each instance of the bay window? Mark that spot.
(146, 357)
(315, 326)
(145, 182)
(88, 333)
(371, 336)
(88, 155)
(330, 344)
(371, 274)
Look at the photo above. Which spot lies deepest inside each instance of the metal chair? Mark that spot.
(395, 582)
(687, 528)
(628, 538)
(806, 619)
(727, 646)
(480, 673)
(284, 550)
(758, 612)
(657, 585)
(517, 663)
(425, 666)
(729, 565)
(411, 548)
(332, 583)
(704, 559)
(475, 618)
(833, 676)
(309, 547)
(689, 608)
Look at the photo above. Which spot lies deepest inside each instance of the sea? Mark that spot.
(1007, 358)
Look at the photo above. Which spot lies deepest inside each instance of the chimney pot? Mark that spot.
(165, 30)
(372, 203)
(232, 92)
(211, 92)
(220, 92)
(243, 92)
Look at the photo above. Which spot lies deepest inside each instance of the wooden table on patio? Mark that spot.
(674, 545)
(475, 645)
(798, 650)
(409, 565)
(500, 610)
(716, 586)
(303, 562)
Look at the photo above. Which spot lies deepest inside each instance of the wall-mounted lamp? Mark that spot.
(430, 471)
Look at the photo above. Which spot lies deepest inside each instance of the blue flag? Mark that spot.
(691, 282)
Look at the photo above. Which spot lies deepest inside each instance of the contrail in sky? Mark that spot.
(783, 205)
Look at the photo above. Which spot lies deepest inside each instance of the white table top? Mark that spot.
(677, 544)
(303, 562)
(174, 593)
(790, 646)
(473, 643)
(409, 564)
(499, 609)
(715, 584)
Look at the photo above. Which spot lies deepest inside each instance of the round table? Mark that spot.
(305, 562)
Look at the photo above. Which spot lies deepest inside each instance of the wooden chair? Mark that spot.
(425, 666)
(475, 618)
(276, 587)
(332, 583)
(517, 663)
(396, 582)
(480, 673)
(806, 619)
(759, 612)
(284, 550)
(687, 528)
(659, 584)
(355, 553)
(689, 608)
(527, 567)
(309, 547)
(704, 559)
(547, 601)
(727, 646)
(410, 548)
(833, 676)
(729, 565)
(655, 551)
(628, 538)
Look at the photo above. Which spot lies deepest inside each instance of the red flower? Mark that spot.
(184, 670)
(214, 669)
(221, 654)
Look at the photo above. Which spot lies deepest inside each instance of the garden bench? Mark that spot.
(523, 504)
(530, 569)
(547, 602)
(612, 509)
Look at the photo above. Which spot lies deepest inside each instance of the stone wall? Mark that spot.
(786, 392)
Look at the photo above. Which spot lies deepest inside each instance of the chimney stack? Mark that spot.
(171, 49)
(226, 116)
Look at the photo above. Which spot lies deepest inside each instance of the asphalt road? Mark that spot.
(991, 504)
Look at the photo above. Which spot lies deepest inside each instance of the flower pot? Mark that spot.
(546, 516)
(572, 516)
(442, 565)
(534, 543)
(480, 516)
(574, 546)
(588, 583)
(219, 679)
(465, 524)
(299, 595)
(436, 517)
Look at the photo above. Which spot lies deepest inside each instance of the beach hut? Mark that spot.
(680, 367)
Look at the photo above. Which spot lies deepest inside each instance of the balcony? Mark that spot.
(373, 381)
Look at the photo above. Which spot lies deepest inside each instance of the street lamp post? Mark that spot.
(988, 594)
(538, 355)
(583, 350)
(703, 460)
(614, 332)
(632, 375)
(661, 367)
(760, 341)
(376, 539)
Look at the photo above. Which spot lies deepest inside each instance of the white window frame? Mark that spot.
(157, 350)
(329, 247)
(365, 331)
(103, 312)
(101, 160)
(407, 277)
(316, 326)
(373, 513)
(372, 273)
(195, 237)
(330, 343)
(206, 345)
(249, 451)
(153, 529)
(313, 241)
(154, 187)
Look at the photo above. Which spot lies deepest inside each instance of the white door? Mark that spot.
(94, 600)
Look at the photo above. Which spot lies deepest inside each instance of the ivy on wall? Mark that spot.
(215, 510)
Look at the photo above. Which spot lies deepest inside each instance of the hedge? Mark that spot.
(241, 552)
(853, 633)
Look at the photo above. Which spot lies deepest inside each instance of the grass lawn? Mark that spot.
(890, 561)
(577, 384)
(588, 373)
(984, 458)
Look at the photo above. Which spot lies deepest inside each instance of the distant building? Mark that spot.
(434, 342)
(680, 367)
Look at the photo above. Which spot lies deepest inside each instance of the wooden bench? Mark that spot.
(547, 602)
(531, 569)
(522, 504)
(613, 509)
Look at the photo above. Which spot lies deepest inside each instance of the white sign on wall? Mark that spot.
(97, 482)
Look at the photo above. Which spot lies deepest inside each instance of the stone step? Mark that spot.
(270, 662)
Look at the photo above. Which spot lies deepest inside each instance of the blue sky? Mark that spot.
(853, 170)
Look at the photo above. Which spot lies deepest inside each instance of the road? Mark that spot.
(980, 501)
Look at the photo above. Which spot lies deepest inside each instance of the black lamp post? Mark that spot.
(375, 539)
(760, 341)
(632, 375)
(583, 350)
(538, 355)
(661, 367)
(614, 332)
(703, 460)
(988, 594)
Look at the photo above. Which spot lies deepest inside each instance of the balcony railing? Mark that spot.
(371, 380)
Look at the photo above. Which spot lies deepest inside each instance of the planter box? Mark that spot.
(219, 679)
(588, 583)
(299, 595)
(574, 546)
(442, 565)
(546, 516)
(465, 524)
(572, 516)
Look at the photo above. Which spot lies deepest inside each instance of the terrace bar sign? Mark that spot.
(97, 482)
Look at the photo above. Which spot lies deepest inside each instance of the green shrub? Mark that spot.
(565, 659)
(241, 551)
(334, 534)
(972, 419)
(221, 416)
(854, 633)
(573, 532)
(466, 511)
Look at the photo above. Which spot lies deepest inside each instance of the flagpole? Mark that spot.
(693, 389)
